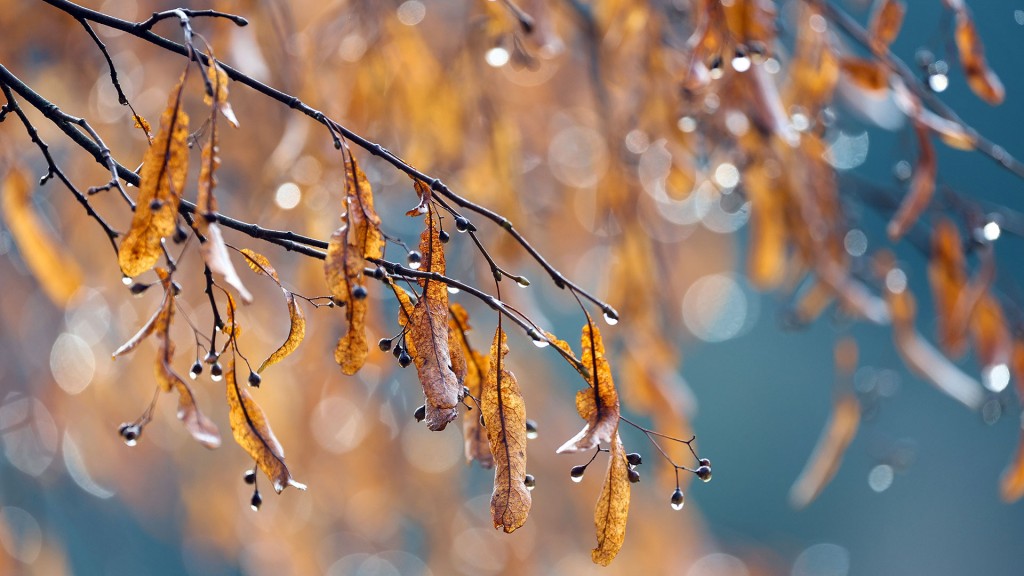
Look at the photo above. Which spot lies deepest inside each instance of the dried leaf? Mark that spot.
(866, 74)
(259, 264)
(886, 21)
(215, 254)
(164, 168)
(982, 80)
(612, 508)
(252, 432)
(295, 334)
(598, 404)
(505, 416)
(428, 336)
(57, 274)
(477, 446)
(992, 340)
(143, 332)
(828, 453)
(922, 187)
(948, 278)
(769, 237)
(219, 80)
(424, 194)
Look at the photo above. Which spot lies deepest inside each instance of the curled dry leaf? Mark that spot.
(477, 446)
(58, 275)
(428, 336)
(219, 81)
(598, 404)
(505, 415)
(922, 187)
(215, 254)
(828, 453)
(358, 238)
(252, 432)
(982, 80)
(164, 168)
(259, 264)
(612, 508)
(296, 332)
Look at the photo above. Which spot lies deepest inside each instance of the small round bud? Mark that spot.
(634, 459)
(444, 237)
(677, 499)
(254, 380)
(420, 413)
(384, 344)
(404, 359)
(705, 462)
(139, 288)
(216, 372)
(378, 273)
(414, 259)
(531, 429)
(530, 482)
(156, 204)
(576, 472)
(704, 473)
(250, 477)
(256, 501)
(634, 476)
(359, 292)
(397, 350)
(195, 370)
(180, 235)
(211, 357)
(462, 223)
(130, 433)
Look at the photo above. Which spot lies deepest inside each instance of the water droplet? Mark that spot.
(256, 501)
(541, 343)
(741, 63)
(216, 377)
(522, 281)
(530, 482)
(704, 473)
(531, 430)
(453, 290)
(577, 479)
(611, 317)
(126, 280)
(497, 57)
(678, 500)
(992, 231)
(131, 441)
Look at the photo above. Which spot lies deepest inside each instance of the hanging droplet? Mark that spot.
(634, 476)
(541, 343)
(531, 429)
(461, 223)
(126, 280)
(384, 344)
(414, 259)
(704, 473)
(256, 501)
(359, 292)
(530, 482)
(522, 281)
(420, 413)
(195, 370)
(576, 473)
(130, 433)
(453, 290)
(634, 459)
(611, 316)
(216, 372)
(138, 289)
(250, 477)
(741, 62)
(254, 380)
(444, 236)
(678, 499)
(404, 359)
(211, 357)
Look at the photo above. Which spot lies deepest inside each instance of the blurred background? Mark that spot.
(584, 133)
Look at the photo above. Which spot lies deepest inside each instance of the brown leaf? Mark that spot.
(866, 74)
(296, 332)
(828, 453)
(259, 264)
(922, 187)
(252, 432)
(57, 274)
(505, 417)
(598, 404)
(982, 80)
(477, 446)
(219, 80)
(948, 278)
(428, 335)
(612, 508)
(215, 254)
(885, 23)
(164, 168)
(424, 194)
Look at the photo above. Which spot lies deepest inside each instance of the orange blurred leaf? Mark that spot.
(982, 80)
(598, 404)
(885, 22)
(164, 168)
(252, 432)
(505, 418)
(477, 446)
(922, 187)
(57, 274)
(828, 453)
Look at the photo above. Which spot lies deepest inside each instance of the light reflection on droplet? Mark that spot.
(991, 231)
(610, 320)
(541, 343)
(715, 308)
(22, 538)
(287, 196)
(411, 12)
(996, 378)
(576, 479)
(825, 559)
(855, 242)
(126, 280)
(72, 363)
(938, 82)
(896, 281)
(880, 477)
(741, 63)
(453, 290)
(497, 57)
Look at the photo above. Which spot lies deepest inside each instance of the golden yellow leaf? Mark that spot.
(259, 264)
(866, 74)
(57, 274)
(164, 168)
(769, 237)
(428, 336)
(505, 418)
(828, 453)
(219, 81)
(252, 432)
(612, 508)
(948, 278)
(477, 446)
(295, 334)
(598, 404)
(922, 187)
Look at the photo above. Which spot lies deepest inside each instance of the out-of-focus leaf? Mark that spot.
(767, 261)
(1011, 484)
(58, 275)
(164, 168)
(992, 340)
(598, 404)
(505, 417)
(885, 23)
(828, 453)
(477, 446)
(252, 432)
(612, 508)
(982, 80)
(428, 333)
(866, 74)
(296, 332)
(948, 278)
(922, 187)
(143, 332)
